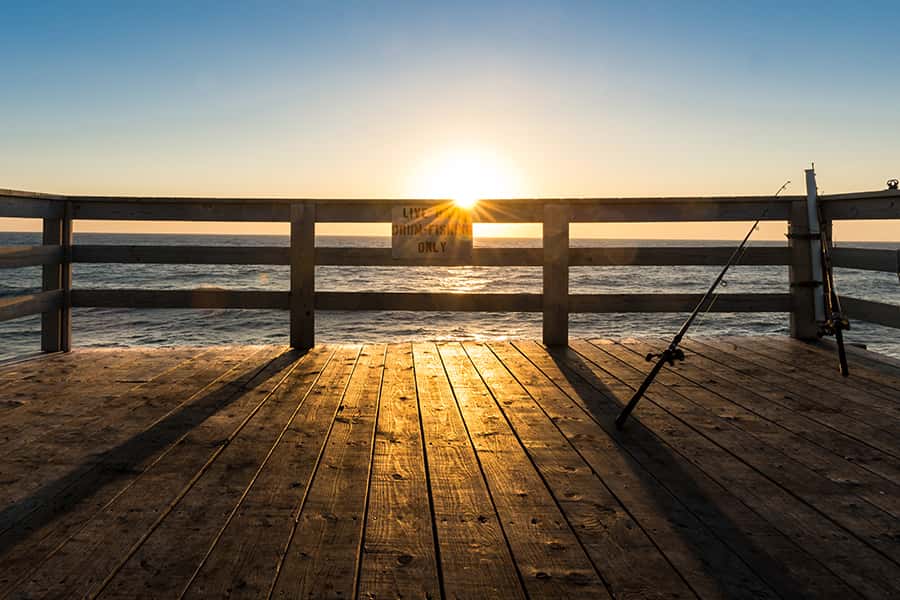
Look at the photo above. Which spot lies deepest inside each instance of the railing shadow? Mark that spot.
(675, 489)
(26, 517)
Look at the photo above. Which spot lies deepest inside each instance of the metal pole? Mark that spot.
(815, 247)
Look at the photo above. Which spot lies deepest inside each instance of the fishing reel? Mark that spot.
(669, 356)
(832, 325)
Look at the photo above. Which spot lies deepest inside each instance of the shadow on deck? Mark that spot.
(450, 470)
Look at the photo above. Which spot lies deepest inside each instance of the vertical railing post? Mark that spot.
(303, 275)
(807, 301)
(556, 275)
(56, 325)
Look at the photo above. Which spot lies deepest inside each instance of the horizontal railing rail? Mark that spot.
(581, 210)
(31, 205)
(422, 301)
(29, 256)
(58, 253)
(863, 205)
(196, 298)
(381, 257)
(14, 307)
(868, 259)
(880, 313)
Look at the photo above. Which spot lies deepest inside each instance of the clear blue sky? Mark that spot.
(346, 99)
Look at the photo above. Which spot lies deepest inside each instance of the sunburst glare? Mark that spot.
(465, 176)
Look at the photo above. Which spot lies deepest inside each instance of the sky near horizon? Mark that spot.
(386, 99)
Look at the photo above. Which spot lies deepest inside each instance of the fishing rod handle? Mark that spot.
(623, 416)
(842, 353)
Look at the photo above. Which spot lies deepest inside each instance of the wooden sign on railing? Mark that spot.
(442, 232)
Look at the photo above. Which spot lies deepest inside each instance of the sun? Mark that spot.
(465, 176)
(465, 201)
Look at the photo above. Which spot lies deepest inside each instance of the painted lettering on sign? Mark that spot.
(440, 232)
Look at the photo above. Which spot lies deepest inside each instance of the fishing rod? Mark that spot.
(836, 321)
(673, 352)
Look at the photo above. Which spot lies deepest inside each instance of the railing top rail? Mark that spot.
(29, 194)
(877, 195)
(374, 210)
(579, 200)
(576, 200)
(883, 204)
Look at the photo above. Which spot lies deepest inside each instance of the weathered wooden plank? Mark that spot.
(555, 296)
(62, 431)
(242, 556)
(14, 307)
(624, 303)
(474, 554)
(792, 566)
(28, 357)
(29, 256)
(379, 211)
(180, 209)
(527, 210)
(28, 194)
(303, 275)
(181, 255)
(163, 562)
(398, 555)
(79, 456)
(843, 406)
(723, 371)
(705, 530)
(382, 257)
(675, 256)
(886, 366)
(56, 324)
(872, 525)
(861, 205)
(697, 381)
(25, 380)
(631, 565)
(870, 390)
(717, 523)
(200, 298)
(29, 205)
(322, 555)
(578, 303)
(635, 210)
(65, 462)
(881, 313)
(871, 574)
(80, 391)
(549, 558)
(428, 301)
(276, 210)
(868, 259)
(90, 514)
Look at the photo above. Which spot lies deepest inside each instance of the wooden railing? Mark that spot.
(57, 254)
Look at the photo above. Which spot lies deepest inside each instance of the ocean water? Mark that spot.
(96, 327)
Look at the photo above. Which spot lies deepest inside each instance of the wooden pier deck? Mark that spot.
(450, 471)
